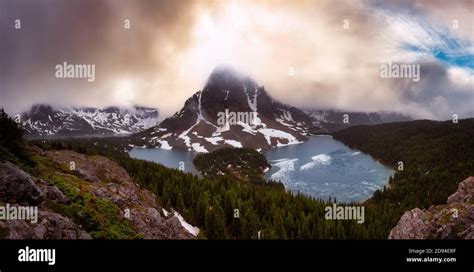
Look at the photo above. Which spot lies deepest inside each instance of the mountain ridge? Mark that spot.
(228, 94)
(333, 120)
(231, 110)
(197, 127)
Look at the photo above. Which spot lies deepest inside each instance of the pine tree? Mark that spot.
(279, 225)
(215, 223)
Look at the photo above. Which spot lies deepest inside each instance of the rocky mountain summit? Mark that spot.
(455, 220)
(232, 110)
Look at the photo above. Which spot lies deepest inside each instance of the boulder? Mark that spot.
(50, 225)
(410, 226)
(455, 220)
(17, 186)
(464, 192)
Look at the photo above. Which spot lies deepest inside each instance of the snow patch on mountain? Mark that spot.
(190, 228)
(270, 133)
(199, 148)
(252, 101)
(164, 145)
(234, 143)
(214, 140)
(44, 120)
(273, 124)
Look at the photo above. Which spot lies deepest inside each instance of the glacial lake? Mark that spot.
(320, 167)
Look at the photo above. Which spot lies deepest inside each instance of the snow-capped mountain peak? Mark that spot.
(44, 120)
(231, 110)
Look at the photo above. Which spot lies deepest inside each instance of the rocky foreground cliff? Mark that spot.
(84, 197)
(455, 220)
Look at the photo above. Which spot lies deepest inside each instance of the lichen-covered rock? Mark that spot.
(464, 192)
(51, 192)
(16, 186)
(455, 220)
(50, 225)
(410, 226)
(19, 188)
(91, 168)
(95, 176)
(137, 205)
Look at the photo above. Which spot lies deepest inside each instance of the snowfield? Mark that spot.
(234, 143)
(269, 133)
(199, 148)
(190, 228)
(164, 145)
(214, 140)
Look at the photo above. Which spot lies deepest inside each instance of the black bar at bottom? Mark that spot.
(366, 254)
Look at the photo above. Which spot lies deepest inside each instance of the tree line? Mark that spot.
(436, 156)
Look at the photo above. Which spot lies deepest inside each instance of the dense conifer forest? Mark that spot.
(435, 155)
(242, 164)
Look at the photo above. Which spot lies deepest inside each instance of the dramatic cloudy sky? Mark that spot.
(335, 48)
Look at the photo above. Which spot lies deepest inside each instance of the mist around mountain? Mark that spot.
(233, 110)
(46, 121)
(89, 202)
(330, 120)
